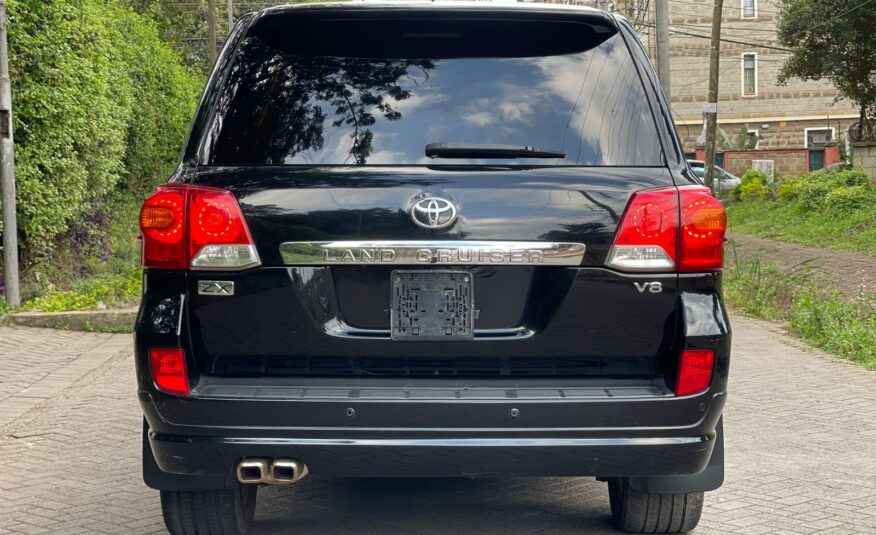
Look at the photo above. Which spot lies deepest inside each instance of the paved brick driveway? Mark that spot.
(800, 455)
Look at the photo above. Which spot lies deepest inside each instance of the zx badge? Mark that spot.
(653, 287)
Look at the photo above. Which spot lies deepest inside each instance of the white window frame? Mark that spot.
(807, 130)
(742, 75)
(756, 132)
(742, 10)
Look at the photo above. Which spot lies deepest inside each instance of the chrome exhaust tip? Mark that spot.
(286, 471)
(252, 471)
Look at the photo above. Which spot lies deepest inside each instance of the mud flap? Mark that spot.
(709, 479)
(157, 479)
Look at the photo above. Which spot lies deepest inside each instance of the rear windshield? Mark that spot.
(353, 92)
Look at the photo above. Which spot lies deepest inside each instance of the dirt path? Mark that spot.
(847, 271)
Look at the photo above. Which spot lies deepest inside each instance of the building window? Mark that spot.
(752, 139)
(749, 74)
(749, 9)
(817, 138)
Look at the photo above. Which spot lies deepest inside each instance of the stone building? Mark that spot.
(800, 115)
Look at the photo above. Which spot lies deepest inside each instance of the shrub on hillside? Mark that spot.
(839, 189)
(99, 98)
(753, 187)
(843, 189)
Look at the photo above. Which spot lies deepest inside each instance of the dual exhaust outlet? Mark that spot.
(270, 472)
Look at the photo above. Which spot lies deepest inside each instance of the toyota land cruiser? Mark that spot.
(432, 240)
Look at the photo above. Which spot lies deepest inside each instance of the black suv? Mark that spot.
(432, 240)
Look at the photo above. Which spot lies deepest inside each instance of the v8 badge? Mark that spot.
(653, 287)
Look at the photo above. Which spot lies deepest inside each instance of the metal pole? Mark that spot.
(662, 19)
(211, 30)
(7, 171)
(711, 108)
(230, 15)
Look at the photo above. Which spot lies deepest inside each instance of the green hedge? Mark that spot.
(834, 209)
(100, 102)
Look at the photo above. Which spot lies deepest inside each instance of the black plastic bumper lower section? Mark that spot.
(495, 457)
(196, 443)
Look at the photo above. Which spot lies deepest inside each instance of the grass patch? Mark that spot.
(853, 230)
(845, 327)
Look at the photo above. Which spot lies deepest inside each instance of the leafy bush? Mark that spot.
(99, 98)
(835, 190)
(90, 294)
(753, 187)
(846, 198)
(4, 306)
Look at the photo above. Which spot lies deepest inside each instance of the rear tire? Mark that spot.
(213, 512)
(641, 512)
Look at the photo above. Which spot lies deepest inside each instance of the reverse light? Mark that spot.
(694, 371)
(168, 365)
(670, 229)
(195, 227)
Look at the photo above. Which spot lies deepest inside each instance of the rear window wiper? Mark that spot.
(485, 150)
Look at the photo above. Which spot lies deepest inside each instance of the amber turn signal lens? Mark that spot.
(710, 219)
(156, 217)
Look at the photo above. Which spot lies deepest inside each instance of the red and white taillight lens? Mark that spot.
(168, 366)
(670, 229)
(694, 371)
(195, 227)
(648, 233)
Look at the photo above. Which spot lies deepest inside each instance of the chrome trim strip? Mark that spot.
(338, 328)
(420, 253)
(464, 442)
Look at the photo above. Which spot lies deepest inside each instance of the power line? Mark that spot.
(734, 41)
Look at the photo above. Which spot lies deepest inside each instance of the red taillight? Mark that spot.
(694, 371)
(162, 223)
(648, 233)
(169, 369)
(668, 229)
(703, 225)
(197, 227)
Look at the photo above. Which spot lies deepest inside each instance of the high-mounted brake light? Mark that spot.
(194, 226)
(694, 371)
(168, 365)
(669, 229)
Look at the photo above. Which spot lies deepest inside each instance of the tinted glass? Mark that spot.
(382, 98)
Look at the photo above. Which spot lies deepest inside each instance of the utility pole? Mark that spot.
(211, 30)
(230, 15)
(711, 107)
(7, 171)
(662, 16)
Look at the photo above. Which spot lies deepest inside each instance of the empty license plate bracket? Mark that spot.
(432, 305)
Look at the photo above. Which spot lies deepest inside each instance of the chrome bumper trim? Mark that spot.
(422, 253)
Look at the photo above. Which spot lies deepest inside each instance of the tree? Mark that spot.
(833, 41)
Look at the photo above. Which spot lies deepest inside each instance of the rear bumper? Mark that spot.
(448, 457)
(607, 436)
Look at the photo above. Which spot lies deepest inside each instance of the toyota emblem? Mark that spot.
(433, 213)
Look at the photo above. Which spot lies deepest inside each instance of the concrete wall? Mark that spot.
(786, 161)
(864, 156)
